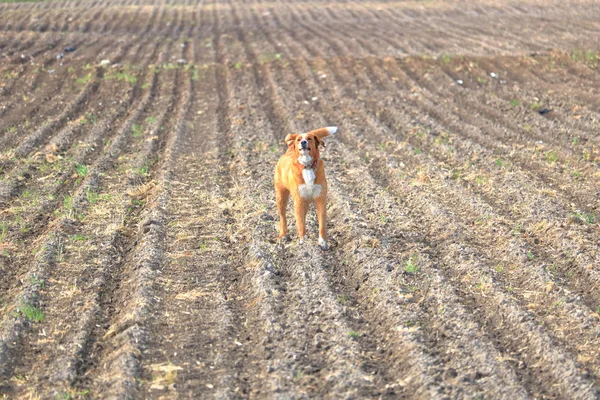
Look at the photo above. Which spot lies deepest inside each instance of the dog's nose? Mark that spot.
(304, 143)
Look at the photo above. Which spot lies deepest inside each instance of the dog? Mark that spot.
(300, 172)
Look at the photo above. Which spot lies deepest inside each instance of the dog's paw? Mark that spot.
(323, 243)
(303, 239)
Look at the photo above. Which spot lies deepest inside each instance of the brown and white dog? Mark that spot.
(301, 173)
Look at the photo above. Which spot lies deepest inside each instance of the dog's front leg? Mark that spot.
(322, 218)
(281, 198)
(301, 207)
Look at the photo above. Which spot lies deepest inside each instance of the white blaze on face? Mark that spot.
(302, 138)
(305, 158)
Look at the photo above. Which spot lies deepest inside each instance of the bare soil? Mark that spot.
(138, 252)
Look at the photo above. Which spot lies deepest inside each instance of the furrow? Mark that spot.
(218, 343)
(469, 149)
(540, 242)
(262, 78)
(329, 359)
(157, 23)
(542, 276)
(539, 131)
(245, 319)
(65, 181)
(85, 25)
(577, 122)
(25, 145)
(382, 109)
(22, 106)
(513, 42)
(94, 46)
(25, 61)
(114, 21)
(512, 312)
(108, 232)
(343, 55)
(29, 143)
(116, 367)
(61, 228)
(293, 331)
(420, 361)
(35, 166)
(394, 44)
(477, 131)
(428, 334)
(388, 182)
(219, 349)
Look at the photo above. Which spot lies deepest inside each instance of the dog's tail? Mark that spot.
(323, 132)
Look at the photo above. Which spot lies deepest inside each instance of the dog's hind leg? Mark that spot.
(281, 198)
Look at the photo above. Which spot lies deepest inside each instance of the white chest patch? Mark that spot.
(309, 190)
(309, 176)
(305, 159)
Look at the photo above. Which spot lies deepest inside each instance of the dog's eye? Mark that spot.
(309, 139)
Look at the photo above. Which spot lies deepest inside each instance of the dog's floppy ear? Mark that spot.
(319, 141)
(323, 132)
(289, 139)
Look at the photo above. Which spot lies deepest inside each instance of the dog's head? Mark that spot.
(307, 144)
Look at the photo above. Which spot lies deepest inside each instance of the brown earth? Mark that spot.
(138, 253)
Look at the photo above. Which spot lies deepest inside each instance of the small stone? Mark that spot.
(451, 373)
(493, 74)
(544, 111)
(459, 81)
(266, 217)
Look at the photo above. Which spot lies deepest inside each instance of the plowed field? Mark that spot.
(138, 251)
